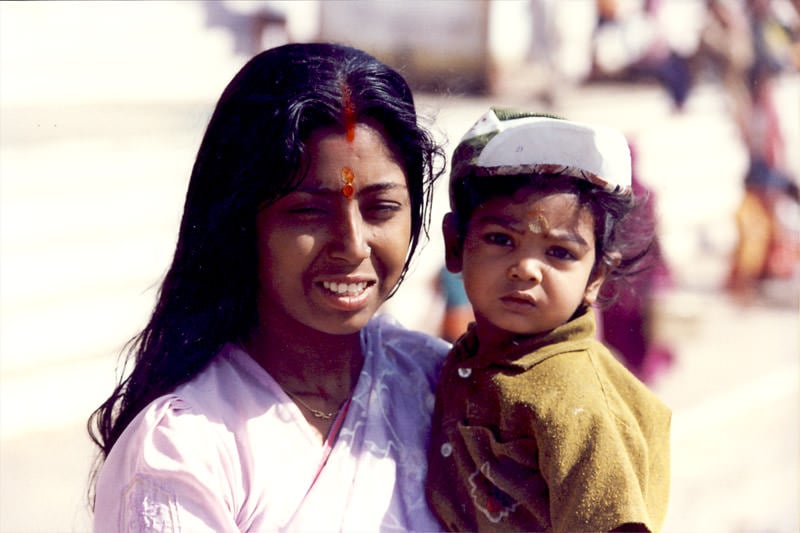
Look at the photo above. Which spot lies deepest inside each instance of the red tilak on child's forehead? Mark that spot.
(349, 112)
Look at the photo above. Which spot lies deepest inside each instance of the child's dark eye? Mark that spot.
(561, 253)
(500, 239)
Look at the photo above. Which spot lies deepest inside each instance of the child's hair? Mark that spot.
(507, 150)
(253, 153)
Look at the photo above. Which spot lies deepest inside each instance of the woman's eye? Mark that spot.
(381, 210)
(499, 239)
(306, 210)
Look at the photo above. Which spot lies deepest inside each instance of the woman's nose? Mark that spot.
(348, 240)
(526, 269)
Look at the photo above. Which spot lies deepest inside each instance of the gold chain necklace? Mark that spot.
(316, 412)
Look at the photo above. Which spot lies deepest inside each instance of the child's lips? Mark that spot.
(519, 300)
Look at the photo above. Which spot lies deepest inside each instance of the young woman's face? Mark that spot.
(327, 259)
(527, 262)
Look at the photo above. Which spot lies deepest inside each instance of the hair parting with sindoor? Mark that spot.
(253, 152)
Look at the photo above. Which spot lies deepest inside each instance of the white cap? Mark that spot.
(506, 143)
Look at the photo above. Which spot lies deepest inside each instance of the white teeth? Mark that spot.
(345, 288)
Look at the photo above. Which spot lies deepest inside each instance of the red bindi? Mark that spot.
(349, 177)
(349, 118)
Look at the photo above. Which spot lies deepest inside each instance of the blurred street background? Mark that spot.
(103, 105)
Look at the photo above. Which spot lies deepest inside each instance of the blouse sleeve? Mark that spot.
(169, 471)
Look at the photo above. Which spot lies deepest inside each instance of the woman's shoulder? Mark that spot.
(204, 406)
(393, 331)
(385, 331)
(168, 454)
(392, 346)
(168, 435)
(167, 426)
(185, 441)
(191, 418)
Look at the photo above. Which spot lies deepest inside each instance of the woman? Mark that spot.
(264, 395)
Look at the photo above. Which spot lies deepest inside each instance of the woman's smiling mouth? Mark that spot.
(350, 296)
(346, 289)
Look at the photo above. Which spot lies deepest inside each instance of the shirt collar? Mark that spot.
(523, 352)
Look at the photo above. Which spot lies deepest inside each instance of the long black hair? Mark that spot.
(253, 153)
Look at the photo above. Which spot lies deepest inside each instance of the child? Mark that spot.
(536, 425)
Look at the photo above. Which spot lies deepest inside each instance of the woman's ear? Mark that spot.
(599, 275)
(452, 243)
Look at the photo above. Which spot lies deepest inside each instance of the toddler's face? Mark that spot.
(527, 262)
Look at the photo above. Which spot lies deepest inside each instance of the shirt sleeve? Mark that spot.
(594, 460)
(169, 471)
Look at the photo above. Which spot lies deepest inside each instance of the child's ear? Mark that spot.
(452, 243)
(599, 276)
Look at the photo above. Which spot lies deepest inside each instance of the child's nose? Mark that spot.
(526, 269)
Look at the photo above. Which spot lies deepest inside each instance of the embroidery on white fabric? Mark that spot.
(494, 503)
(149, 508)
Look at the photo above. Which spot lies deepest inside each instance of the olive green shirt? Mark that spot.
(554, 434)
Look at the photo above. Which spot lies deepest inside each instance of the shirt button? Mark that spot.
(446, 449)
(464, 372)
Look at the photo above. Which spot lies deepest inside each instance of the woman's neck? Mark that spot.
(309, 362)
(317, 370)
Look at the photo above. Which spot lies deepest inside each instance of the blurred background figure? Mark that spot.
(738, 34)
(768, 216)
(633, 44)
(543, 50)
(258, 28)
(767, 248)
(628, 324)
(457, 312)
(725, 48)
(775, 30)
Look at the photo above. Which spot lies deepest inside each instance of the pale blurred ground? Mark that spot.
(91, 192)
